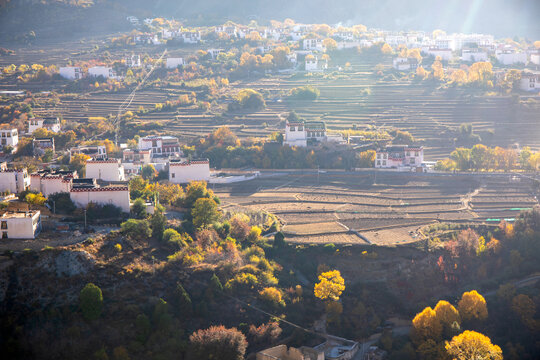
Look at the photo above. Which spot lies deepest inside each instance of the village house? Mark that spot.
(9, 138)
(313, 44)
(509, 56)
(49, 123)
(230, 30)
(41, 145)
(444, 54)
(473, 55)
(160, 145)
(398, 156)
(134, 160)
(84, 193)
(173, 63)
(214, 52)
(106, 170)
(181, 172)
(13, 181)
(104, 71)
(133, 60)
(344, 35)
(405, 64)
(281, 352)
(50, 182)
(530, 81)
(71, 72)
(20, 224)
(97, 152)
(313, 64)
(146, 39)
(191, 37)
(395, 40)
(303, 133)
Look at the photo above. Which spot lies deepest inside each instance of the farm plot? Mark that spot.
(349, 208)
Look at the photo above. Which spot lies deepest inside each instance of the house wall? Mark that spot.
(474, 56)
(108, 170)
(530, 83)
(186, 172)
(9, 137)
(54, 184)
(104, 71)
(71, 73)
(118, 196)
(512, 58)
(14, 181)
(173, 63)
(20, 227)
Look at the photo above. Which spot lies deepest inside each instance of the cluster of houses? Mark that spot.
(334, 348)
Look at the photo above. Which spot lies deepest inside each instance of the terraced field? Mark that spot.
(390, 208)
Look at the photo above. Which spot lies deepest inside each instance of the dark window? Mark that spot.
(4, 225)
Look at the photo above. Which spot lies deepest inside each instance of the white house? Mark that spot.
(173, 63)
(50, 182)
(14, 181)
(405, 64)
(227, 29)
(133, 60)
(107, 170)
(49, 123)
(444, 54)
(191, 37)
(105, 71)
(473, 55)
(300, 133)
(41, 145)
(115, 195)
(9, 137)
(535, 58)
(313, 44)
(344, 35)
(312, 63)
(160, 145)
(71, 72)
(511, 57)
(20, 224)
(530, 81)
(181, 172)
(133, 160)
(97, 152)
(399, 156)
(214, 52)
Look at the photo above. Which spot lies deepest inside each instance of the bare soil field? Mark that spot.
(346, 207)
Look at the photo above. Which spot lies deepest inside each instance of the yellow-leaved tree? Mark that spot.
(426, 325)
(472, 306)
(448, 317)
(330, 286)
(472, 345)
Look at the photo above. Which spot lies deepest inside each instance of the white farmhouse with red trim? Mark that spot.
(181, 172)
(399, 156)
(114, 195)
(50, 182)
(160, 145)
(107, 170)
(20, 224)
(14, 181)
(49, 123)
(300, 133)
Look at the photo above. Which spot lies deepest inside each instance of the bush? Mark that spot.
(248, 99)
(138, 209)
(279, 240)
(136, 229)
(305, 93)
(176, 240)
(271, 295)
(91, 301)
(217, 342)
(108, 211)
(61, 203)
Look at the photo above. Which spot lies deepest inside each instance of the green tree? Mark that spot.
(279, 240)
(91, 301)
(138, 209)
(148, 172)
(136, 229)
(158, 222)
(181, 301)
(205, 212)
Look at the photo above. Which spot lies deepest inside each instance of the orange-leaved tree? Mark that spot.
(472, 345)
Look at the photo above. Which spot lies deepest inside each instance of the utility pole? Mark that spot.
(84, 220)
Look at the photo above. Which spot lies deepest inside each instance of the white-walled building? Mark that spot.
(191, 37)
(41, 145)
(9, 137)
(529, 81)
(133, 60)
(50, 123)
(107, 170)
(313, 64)
(313, 44)
(230, 30)
(214, 52)
(20, 224)
(173, 63)
(14, 181)
(50, 182)
(511, 57)
(405, 64)
(114, 195)
(97, 152)
(71, 72)
(181, 172)
(399, 156)
(134, 160)
(473, 55)
(160, 145)
(535, 58)
(444, 54)
(105, 71)
(300, 133)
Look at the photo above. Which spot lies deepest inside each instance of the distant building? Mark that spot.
(173, 63)
(71, 72)
(14, 181)
(105, 71)
(344, 35)
(398, 156)
(160, 145)
(133, 61)
(530, 81)
(107, 170)
(83, 194)
(9, 137)
(313, 64)
(134, 160)
(227, 29)
(444, 54)
(50, 182)
(301, 133)
(97, 152)
(473, 55)
(281, 352)
(511, 57)
(41, 145)
(313, 44)
(181, 172)
(20, 224)
(405, 64)
(50, 123)
(214, 52)
(191, 37)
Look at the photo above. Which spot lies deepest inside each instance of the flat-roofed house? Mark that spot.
(20, 224)
(107, 170)
(181, 172)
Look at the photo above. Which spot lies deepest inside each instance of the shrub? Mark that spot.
(91, 301)
(136, 229)
(271, 295)
(279, 240)
(118, 248)
(61, 203)
(138, 209)
(305, 93)
(217, 342)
